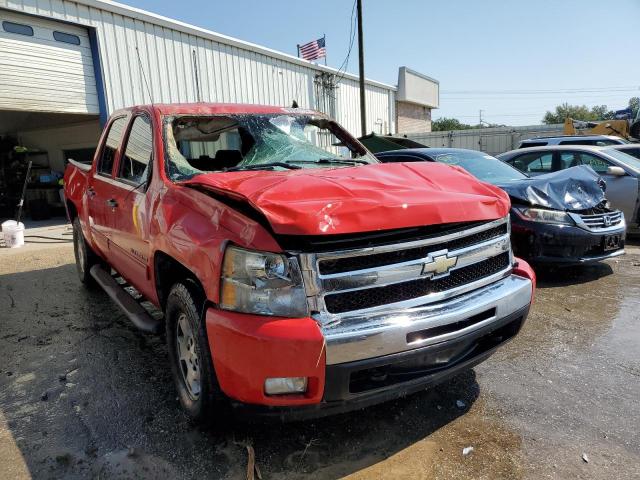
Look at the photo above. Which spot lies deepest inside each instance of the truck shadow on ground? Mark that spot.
(552, 277)
(84, 394)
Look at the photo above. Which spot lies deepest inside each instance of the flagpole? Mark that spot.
(324, 37)
(363, 109)
(298, 47)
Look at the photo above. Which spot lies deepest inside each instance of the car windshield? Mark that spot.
(484, 167)
(622, 157)
(219, 143)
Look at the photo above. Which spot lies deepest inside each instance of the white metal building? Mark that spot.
(65, 65)
(78, 61)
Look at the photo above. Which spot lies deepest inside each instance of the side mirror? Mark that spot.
(616, 171)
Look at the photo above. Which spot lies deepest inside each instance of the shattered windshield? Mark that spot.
(485, 167)
(222, 143)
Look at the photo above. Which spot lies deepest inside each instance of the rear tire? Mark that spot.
(189, 355)
(85, 256)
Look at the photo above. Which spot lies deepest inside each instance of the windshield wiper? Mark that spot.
(325, 161)
(262, 166)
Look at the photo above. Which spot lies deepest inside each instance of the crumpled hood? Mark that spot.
(360, 199)
(576, 188)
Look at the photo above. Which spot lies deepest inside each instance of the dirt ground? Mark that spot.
(83, 394)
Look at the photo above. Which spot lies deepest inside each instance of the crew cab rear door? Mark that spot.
(130, 247)
(100, 186)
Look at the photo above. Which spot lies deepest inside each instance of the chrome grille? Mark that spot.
(398, 292)
(362, 262)
(602, 220)
(406, 274)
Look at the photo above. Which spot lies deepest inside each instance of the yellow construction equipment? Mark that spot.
(618, 128)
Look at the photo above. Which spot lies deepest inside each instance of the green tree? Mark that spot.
(634, 103)
(444, 124)
(577, 112)
(586, 114)
(601, 112)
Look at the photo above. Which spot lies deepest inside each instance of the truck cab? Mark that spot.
(296, 278)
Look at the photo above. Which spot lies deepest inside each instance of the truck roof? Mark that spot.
(204, 108)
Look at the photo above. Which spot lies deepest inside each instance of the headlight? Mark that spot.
(545, 216)
(262, 282)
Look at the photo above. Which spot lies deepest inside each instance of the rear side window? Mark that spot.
(399, 158)
(532, 144)
(105, 166)
(577, 142)
(569, 159)
(538, 162)
(137, 156)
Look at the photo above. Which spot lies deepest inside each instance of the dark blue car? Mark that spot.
(558, 218)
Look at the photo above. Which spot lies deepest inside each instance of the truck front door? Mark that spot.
(130, 248)
(100, 187)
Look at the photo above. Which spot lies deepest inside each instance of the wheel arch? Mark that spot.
(167, 272)
(72, 211)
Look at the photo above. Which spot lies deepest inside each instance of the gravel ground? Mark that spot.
(83, 394)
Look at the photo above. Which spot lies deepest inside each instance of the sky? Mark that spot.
(513, 60)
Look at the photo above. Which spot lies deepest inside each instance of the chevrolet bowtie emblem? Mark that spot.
(439, 264)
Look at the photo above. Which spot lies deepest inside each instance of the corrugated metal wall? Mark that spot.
(490, 140)
(176, 63)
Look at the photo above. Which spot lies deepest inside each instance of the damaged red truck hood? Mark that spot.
(360, 199)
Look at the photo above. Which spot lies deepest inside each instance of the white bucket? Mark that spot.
(13, 233)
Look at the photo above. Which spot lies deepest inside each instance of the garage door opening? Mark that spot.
(49, 109)
(48, 140)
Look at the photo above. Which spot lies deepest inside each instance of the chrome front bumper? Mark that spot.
(357, 337)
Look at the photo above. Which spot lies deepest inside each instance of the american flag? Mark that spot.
(313, 50)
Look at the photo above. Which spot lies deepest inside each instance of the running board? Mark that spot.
(132, 309)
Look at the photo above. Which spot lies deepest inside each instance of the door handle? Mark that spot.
(112, 203)
(91, 192)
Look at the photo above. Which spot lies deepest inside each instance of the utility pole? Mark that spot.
(363, 108)
(480, 119)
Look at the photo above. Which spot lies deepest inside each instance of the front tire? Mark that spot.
(85, 256)
(189, 354)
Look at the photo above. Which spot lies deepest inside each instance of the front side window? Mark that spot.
(598, 142)
(137, 156)
(199, 144)
(105, 165)
(538, 162)
(600, 165)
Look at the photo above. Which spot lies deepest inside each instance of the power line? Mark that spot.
(342, 69)
(555, 97)
(484, 115)
(537, 92)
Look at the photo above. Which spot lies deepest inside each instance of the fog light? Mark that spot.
(285, 385)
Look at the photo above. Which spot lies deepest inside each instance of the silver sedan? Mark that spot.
(620, 170)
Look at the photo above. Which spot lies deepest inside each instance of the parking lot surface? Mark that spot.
(83, 394)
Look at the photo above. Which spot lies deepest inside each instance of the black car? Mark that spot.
(558, 218)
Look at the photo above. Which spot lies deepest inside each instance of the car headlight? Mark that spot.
(264, 283)
(545, 216)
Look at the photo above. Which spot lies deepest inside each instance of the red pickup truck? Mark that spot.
(297, 278)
